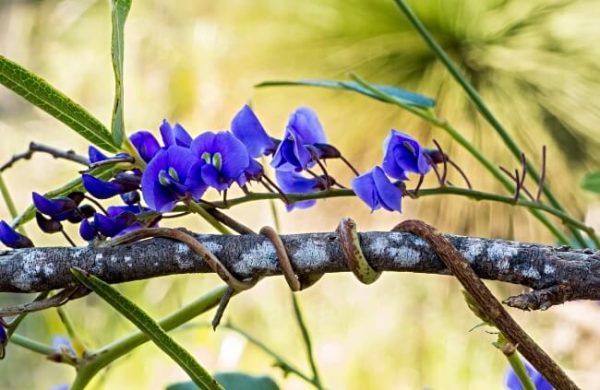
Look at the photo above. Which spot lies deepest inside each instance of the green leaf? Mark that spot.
(38, 92)
(120, 11)
(103, 172)
(151, 328)
(407, 97)
(591, 182)
(233, 381)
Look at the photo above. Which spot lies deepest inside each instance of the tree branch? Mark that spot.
(576, 272)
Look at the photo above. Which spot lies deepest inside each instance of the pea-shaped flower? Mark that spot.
(297, 151)
(13, 239)
(248, 129)
(168, 178)
(122, 183)
(223, 158)
(174, 135)
(375, 189)
(291, 182)
(145, 143)
(402, 154)
(60, 208)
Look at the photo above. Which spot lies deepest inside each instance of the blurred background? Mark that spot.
(535, 62)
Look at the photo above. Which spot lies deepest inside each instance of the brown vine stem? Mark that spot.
(488, 304)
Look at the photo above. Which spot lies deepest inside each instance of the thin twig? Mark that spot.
(445, 158)
(462, 173)
(59, 299)
(345, 160)
(69, 155)
(525, 190)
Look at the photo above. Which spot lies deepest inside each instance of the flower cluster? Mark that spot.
(402, 155)
(183, 168)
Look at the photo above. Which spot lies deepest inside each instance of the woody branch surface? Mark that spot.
(561, 273)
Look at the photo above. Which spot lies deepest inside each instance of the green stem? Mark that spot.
(10, 204)
(482, 107)
(196, 208)
(36, 346)
(76, 341)
(316, 380)
(279, 360)
(515, 362)
(458, 137)
(472, 194)
(307, 342)
(111, 352)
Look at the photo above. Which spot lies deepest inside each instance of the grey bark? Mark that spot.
(576, 272)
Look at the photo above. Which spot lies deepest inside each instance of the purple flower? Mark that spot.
(96, 155)
(291, 182)
(223, 158)
(13, 239)
(60, 208)
(122, 183)
(48, 225)
(174, 135)
(248, 129)
(402, 153)
(87, 230)
(110, 226)
(146, 144)
(172, 175)
(3, 341)
(297, 151)
(376, 190)
(513, 383)
(61, 345)
(255, 171)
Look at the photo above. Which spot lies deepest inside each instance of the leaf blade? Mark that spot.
(151, 328)
(120, 11)
(49, 99)
(591, 182)
(408, 97)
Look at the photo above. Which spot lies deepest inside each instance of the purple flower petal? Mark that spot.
(225, 158)
(96, 155)
(59, 208)
(176, 135)
(513, 383)
(13, 239)
(165, 179)
(248, 129)
(111, 226)
(99, 188)
(87, 230)
(295, 183)
(305, 123)
(402, 153)
(146, 144)
(376, 190)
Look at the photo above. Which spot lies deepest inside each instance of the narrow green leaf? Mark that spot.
(407, 97)
(38, 92)
(151, 328)
(591, 182)
(102, 172)
(120, 10)
(233, 381)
